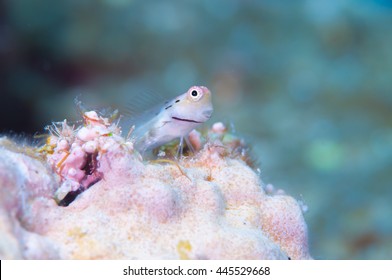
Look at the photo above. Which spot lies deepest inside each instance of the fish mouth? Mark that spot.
(207, 114)
(185, 120)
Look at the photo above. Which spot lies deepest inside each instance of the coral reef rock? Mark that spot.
(211, 205)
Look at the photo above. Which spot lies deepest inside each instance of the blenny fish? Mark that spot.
(174, 119)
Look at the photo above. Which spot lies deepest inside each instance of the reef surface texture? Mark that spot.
(87, 194)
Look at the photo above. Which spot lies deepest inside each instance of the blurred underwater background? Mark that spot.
(308, 83)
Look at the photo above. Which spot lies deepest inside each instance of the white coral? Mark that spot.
(209, 206)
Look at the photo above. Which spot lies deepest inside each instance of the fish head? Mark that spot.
(195, 104)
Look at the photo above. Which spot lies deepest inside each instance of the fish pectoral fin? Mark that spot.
(189, 144)
(180, 148)
(162, 124)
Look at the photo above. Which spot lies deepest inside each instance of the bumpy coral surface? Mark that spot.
(89, 195)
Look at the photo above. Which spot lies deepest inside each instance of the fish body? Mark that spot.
(175, 119)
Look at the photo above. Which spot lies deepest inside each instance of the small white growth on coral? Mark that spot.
(303, 205)
(93, 117)
(90, 147)
(207, 206)
(195, 139)
(161, 154)
(219, 128)
(269, 188)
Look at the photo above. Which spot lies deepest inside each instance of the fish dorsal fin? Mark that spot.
(141, 102)
(141, 107)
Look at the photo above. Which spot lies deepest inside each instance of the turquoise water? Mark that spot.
(306, 82)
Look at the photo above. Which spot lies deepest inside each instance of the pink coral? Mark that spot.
(76, 152)
(207, 206)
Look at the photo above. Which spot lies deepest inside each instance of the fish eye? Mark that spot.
(195, 94)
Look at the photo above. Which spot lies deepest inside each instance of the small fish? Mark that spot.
(175, 119)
